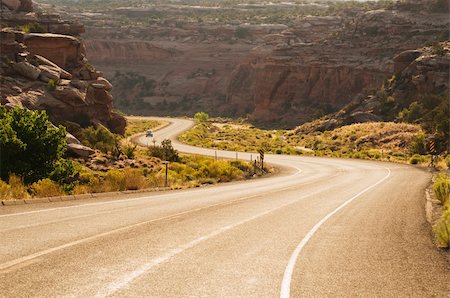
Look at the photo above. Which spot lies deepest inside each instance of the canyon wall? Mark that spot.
(49, 71)
(277, 75)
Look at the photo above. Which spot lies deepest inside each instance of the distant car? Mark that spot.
(149, 134)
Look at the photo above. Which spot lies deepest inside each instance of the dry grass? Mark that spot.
(136, 125)
(46, 188)
(18, 190)
(441, 189)
(378, 140)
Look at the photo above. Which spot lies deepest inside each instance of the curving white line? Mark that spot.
(122, 229)
(128, 278)
(287, 277)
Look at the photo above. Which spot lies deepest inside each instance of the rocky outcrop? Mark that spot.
(64, 50)
(49, 72)
(130, 52)
(18, 5)
(421, 79)
(290, 90)
(294, 82)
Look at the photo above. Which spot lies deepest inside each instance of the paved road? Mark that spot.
(322, 227)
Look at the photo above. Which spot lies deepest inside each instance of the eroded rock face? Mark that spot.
(64, 50)
(50, 72)
(421, 74)
(282, 90)
(294, 82)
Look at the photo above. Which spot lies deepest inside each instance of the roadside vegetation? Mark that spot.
(398, 142)
(136, 125)
(42, 168)
(217, 11)
(441, 189)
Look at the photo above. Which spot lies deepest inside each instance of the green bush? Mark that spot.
(447, 161)
(415, 159)
(33, 28)
(165, 151)
(442, 230)
(441, 189)
(30, 144)
(419, 146)
(100, 138)
(65, 173)
(201, 116)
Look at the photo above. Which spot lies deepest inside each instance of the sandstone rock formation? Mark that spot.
(296, 72)
(48, 71)
(293, 83)
(421, 77)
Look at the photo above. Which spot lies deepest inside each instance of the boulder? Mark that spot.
(80, 150)
(63, 50)
(27, 70)
(80, 85)
(70, 139)
(48, 73)
(44, 61)
(70, 96)
(11, 4)
(102, 83)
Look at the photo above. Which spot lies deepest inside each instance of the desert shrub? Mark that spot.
(201, 117)
(129, 150)
(5, 190)
(51, 85)
(33, 28)
(413, 113)
(30, 144)
(45, 188)
(442, 230)
(447, 161)
(441, 189)
(129, 179)
(100, 138)
(415, 159)
(17, 187)
(134, 179)
(419, 146)
(165, 151)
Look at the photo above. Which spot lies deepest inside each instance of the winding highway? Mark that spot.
(322, 227)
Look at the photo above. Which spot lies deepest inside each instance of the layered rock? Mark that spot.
(49, 72)
(421, 77)
(291, 82)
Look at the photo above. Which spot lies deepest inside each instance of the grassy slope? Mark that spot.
(382, 140)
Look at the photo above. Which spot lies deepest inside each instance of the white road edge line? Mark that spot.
(126, 279)
(287, 277)
(94, 237)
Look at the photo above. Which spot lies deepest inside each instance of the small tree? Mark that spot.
(30, 144)
(201, 117)
(165, 151)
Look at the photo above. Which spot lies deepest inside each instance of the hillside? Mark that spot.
(281, 64)
(44, 67)
(418, 93)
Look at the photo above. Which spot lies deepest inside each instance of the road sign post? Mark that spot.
(166, 181)
(431, 146)
(261, 157)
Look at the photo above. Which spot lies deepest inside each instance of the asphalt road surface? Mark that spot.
(321, 227)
